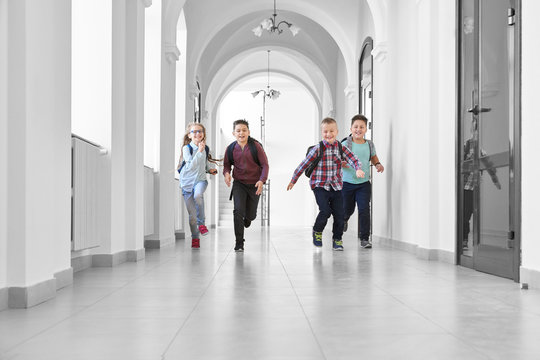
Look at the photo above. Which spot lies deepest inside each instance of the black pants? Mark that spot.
(245, 206)
(468, 208)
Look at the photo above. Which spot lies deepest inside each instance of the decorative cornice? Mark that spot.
(172, 53)
(380, 51)
(147, 3)
(350, 91)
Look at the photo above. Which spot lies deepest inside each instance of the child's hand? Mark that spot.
(290, 186)
(259, 186)
(202, 144)
(212, 171)
(379, 167)
(360, 173)
(227, 179)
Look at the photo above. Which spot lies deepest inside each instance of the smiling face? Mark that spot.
(196, 133)
(241, 133)
(329, 132)
(358, 129)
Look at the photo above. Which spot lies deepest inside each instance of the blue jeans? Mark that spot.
(330, 203)
(359, 194)
(195, 206)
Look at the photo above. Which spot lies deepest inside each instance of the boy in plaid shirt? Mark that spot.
(326, 181)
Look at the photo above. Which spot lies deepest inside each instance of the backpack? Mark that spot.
(314, 163)
(348, 139)
(206, 148)
(252, 148)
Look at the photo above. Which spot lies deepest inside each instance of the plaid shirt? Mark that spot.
(327, 174)
(470, 180)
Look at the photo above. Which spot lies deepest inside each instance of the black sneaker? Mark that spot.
(239, 246)
(345, 226)
(247, 222)
(365, 244)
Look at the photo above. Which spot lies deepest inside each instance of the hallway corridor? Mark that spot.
(281, 299)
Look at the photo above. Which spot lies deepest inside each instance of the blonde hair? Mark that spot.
(187, 140)
(328, 121)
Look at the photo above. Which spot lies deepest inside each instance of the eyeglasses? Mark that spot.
(196, 131)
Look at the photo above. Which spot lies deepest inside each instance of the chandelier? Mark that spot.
(268, 93)
(271, 25)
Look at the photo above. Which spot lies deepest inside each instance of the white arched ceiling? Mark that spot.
(208, 19)
(282, 60)
(260, 74)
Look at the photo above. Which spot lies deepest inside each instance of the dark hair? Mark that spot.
(328, 120)
(359, 117)
(240, 122)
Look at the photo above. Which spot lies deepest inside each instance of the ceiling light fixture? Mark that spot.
(270, 93)
(272, 26)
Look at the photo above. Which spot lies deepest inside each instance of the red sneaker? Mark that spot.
(195, 243)
(203, 230)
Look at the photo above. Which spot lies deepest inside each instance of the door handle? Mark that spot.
(477, 110)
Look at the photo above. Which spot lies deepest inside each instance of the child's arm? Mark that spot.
(227, 169)
(310, 157)
(375, 161)
(192, 161)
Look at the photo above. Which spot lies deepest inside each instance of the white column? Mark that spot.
(165, 190)
(127, 177)
(3, 152)
(39, 149)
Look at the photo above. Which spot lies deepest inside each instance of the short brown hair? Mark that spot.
(328, 120)
(359, 117)
(240, 122)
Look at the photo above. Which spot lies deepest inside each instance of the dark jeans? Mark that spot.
(359, 194)
(245, 206)
(468, 208)
(330, 203)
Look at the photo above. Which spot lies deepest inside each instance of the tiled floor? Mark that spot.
(281, 299)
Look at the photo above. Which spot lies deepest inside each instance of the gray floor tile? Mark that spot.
(280, 300)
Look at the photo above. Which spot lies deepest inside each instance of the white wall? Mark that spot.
(39, 135)
(3, 142)
(293, 113)
(530, 131)
(415, 121)
(91, 70)
(152, 84)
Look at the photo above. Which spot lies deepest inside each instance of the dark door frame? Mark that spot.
(515, 143)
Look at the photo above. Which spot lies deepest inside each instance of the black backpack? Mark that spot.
(252, 148)
(206, 148)
(314, 163)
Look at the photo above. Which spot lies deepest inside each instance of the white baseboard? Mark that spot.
(530, 277)
(421, 253)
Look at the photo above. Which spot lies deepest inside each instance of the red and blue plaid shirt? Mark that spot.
(327, 174)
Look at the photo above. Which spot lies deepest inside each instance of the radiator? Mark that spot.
(86, 165)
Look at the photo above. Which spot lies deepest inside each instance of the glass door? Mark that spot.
(488, 131)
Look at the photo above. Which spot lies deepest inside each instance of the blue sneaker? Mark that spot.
(317, 238)
(337, 245)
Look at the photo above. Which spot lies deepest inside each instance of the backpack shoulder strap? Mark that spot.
(253, 149)
(370, 143)
(340, 146)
